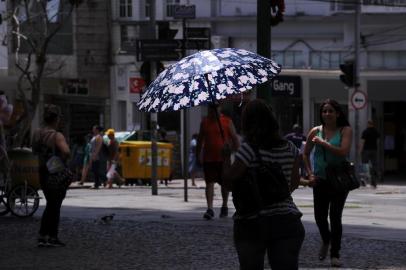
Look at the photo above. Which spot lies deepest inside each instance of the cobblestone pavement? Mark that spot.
(163, 232)
(164, 245)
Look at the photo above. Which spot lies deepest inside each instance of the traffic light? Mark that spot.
(145, 71)
(348, 68)
(277, 11)
(165, 32)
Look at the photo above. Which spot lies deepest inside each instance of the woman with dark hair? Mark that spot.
(332, 143)
(276, 229)
(47, 141)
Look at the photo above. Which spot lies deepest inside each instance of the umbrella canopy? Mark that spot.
(205, 77)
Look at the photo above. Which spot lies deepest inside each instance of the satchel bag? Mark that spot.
(55, 164)
(341, 176)
(60, 180)
(259, 187)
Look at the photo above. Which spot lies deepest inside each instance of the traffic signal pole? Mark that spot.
(357, 21)
(154, 116)
(264, 41)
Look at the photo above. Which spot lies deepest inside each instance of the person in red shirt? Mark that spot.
(209, 152)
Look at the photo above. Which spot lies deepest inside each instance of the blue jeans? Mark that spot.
(280, 236)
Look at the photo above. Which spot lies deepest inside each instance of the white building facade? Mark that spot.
(311, 43)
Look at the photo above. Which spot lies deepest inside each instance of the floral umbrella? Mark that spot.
(206, 77)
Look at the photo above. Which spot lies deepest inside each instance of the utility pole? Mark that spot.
(184, 124)
(154, 116)
(264, 41)
(357, 22)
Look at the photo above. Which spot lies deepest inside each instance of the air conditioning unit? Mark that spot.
(220, 42)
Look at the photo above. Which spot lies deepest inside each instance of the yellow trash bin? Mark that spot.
(135, 159)
(24, 167)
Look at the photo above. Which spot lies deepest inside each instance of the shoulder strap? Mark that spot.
(49, 135)
(341, 136)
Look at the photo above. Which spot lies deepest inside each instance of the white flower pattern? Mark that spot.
(228, 71)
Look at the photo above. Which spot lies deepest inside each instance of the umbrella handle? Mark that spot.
(214, 102)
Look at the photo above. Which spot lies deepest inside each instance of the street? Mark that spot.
(164, 232)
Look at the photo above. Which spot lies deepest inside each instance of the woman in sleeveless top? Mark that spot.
(276, 230)
(332, 143)
(46, 142)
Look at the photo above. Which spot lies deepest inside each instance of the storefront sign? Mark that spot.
(136, 85)
(184, 12)
(286, 86)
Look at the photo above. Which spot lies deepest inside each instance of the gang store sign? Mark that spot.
(286, 86)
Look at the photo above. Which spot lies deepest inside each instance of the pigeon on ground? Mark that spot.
(107, 219)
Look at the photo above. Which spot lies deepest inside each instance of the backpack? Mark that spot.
(260, 187)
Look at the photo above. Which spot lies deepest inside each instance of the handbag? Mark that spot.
(60, 180)
(55, 164)
(259, 187)
(341, 176)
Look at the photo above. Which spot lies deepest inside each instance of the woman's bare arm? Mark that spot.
(62, 145)
(345, 146)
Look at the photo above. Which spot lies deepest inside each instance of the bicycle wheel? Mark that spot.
(3, 202)
(23, 200)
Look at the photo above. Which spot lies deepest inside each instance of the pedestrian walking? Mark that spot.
(332, 143)
(78, 154)
(97, 160)
(298, 139)
(194, 167)
(369, 151)
(86, 160)
(210, 143)
(113, 160)
(273, 226)
(47, 142)
(296, 136)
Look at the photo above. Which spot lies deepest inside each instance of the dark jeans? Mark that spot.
(281, 237)
(329, 203)
(371, 156)
(99, 170)
(51, 215)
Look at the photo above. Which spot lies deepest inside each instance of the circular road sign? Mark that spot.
(359, 100)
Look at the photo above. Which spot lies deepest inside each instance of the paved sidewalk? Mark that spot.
(164, 232)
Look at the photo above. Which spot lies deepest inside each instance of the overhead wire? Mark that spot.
(349, 2)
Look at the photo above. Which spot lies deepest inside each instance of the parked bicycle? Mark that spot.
(19, 182)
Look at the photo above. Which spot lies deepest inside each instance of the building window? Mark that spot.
(126, 8)
(289, 59)
(78, 87)
(170, 7)
(123, 33)
(386, 60)
(342, 5)
(326, 59)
